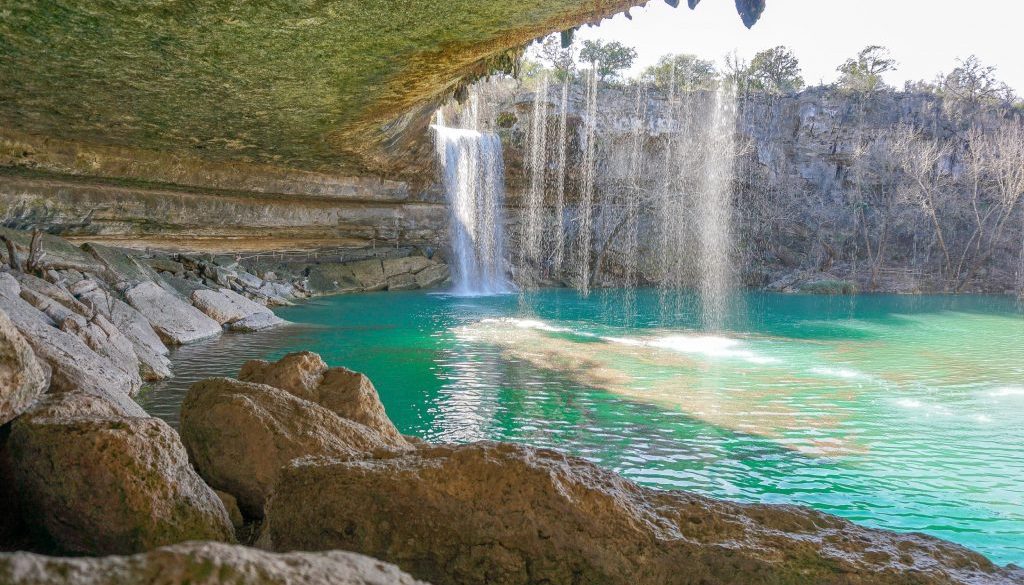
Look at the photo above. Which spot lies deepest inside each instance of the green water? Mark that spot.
(900, 412)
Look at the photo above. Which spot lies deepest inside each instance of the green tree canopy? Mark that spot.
(864, 73)
(775, 70)
(609, 59)
(688, 71)
(560, 59)
(974, 83)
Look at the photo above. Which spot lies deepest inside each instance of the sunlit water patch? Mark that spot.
(900, 412)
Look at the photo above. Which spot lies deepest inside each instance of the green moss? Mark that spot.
(307, 83)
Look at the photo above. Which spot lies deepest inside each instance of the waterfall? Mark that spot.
(533, 223)
(583, 235)
(559, 221)
(631, 246)
(714, 210)
(474, 181)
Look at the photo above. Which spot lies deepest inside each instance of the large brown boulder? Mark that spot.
(240, 434)
(23, 379)
(203, 563)
(92, 481)
(509, 514)
(347, 393)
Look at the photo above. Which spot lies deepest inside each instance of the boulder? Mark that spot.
(369, 274)
(120, 267)
(202, 563)
(151, 352)
(52, 291)
(231, 505)
(256, 322)
(503, 513)
(226, 306)
(107, 341)
(406, 265)
(23, 379)
(83, 286)
(96, 482)
(347, 393)
(249, 280)
(74, 366)
(332, 278)
(165, 264)
(183, 286)
(173, 319)
(59, 254)
(239, 434)
(432, 276)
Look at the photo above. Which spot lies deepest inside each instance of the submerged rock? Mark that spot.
(240, 434)
(503, 513)
(174, 320)
(22, 378)
(347, 393)
(203, 563)
(92, 481)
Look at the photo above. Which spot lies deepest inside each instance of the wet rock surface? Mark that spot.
(92, 481)
(240, 434)
(202, 563)
(503, 513)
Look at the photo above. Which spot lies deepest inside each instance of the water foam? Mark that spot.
(831, 372)
(712, 346)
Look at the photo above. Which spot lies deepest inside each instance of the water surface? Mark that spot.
(900, 412)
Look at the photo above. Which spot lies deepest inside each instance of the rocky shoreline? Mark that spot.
(299, 456)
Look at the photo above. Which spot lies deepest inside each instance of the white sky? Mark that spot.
(924, 36)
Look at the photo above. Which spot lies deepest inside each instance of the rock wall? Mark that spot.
(814, 195)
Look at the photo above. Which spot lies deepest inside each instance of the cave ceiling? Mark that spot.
(324, 85)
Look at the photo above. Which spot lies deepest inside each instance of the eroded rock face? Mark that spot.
(502, 513)
(174, 320)
(240, 434)
(347, 393)
(95, 482)
(151, 352)
(203, 563)
(22, 378)
(74, 366)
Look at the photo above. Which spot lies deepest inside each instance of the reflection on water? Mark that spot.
(901, 412)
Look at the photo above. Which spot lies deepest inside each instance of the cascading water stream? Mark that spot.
(714, 211)
(558, 239)
(473, 173)
(584, 229)
(533, 224)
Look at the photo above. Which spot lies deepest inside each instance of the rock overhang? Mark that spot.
(332, 85)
